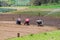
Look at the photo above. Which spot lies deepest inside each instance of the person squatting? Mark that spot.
(27, 21)
(18, 21)
(39, 22)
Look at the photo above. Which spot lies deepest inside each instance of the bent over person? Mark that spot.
(27, 20)
(39, 22)
(18, 21)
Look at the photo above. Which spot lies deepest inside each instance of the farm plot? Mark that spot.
(10, 29)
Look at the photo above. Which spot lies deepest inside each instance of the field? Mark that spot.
(50, 16)
(52, 10)
(46, 6)
(10, 29)
(54, 35)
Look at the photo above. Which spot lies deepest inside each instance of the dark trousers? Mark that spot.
(39, 23)
(18, 22)
(27, 23)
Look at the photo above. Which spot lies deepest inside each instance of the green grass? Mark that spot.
(35, 10)
(55, 35)
(42, 13)
(46, 6)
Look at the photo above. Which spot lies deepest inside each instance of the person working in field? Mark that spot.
(27, 20)
(39, 22)
(18, 21)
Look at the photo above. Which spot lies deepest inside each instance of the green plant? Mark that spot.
(54, 35)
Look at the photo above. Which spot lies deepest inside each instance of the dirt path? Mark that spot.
(10, 29)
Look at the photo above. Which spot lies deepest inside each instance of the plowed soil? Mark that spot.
(9, 29)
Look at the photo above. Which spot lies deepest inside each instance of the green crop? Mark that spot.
(45, 6)
(55, 35)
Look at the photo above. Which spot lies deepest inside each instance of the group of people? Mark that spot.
(27, 22)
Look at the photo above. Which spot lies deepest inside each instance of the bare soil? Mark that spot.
(50, 21)
(10, 29)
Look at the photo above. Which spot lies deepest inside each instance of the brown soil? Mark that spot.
(50, 21)
(9, 30)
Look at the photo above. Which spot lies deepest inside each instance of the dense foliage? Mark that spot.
(29, 2)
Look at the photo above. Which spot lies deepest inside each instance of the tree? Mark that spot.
(11, 2)
(35, 2)
(45, 1)
(3, 3)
